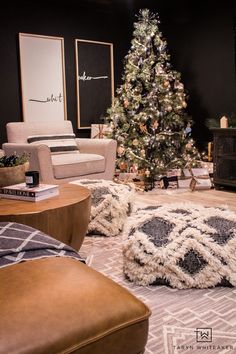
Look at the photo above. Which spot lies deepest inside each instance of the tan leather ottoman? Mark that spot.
(59, 305)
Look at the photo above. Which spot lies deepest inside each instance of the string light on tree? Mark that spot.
(148, 117)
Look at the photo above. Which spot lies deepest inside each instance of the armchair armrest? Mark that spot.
(104, 147)
(96, 146)
(40, 158)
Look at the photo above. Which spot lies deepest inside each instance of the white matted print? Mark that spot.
(42, 78)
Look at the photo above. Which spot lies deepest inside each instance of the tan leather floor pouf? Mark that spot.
(59, 305)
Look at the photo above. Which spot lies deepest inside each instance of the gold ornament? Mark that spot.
(123, 166)
(159, 70)
(135, 142)
(133, 169)
(126, 103)
(188, 146)
(166, 83)
(155, 124)
(120, 150)
(142, 152)
(169, 108)
(143, 128)
(141, 172)
(179, 86)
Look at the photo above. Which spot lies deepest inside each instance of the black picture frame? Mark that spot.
(235, 44)
(94, 81)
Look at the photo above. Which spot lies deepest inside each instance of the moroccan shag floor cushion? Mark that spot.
(181, 245)
(110, 206)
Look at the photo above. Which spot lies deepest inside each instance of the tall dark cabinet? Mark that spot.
(224, 157)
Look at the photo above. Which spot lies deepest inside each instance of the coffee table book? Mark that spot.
(22, 192)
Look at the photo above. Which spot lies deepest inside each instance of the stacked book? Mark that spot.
(22, 192)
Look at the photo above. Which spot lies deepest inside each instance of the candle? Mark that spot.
(31, 179)
(224, 122)
(209, 151)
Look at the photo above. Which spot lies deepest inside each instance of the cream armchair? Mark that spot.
(94, 159)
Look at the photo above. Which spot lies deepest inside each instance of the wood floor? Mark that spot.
(209, 197)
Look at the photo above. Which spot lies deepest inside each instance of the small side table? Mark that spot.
(224, 157)
(64, 217)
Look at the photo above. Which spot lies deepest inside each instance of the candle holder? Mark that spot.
(31, 179)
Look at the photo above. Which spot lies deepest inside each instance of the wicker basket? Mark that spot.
(13, 175)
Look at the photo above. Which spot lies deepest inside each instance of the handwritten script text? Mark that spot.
(50, 99)
(84, 77)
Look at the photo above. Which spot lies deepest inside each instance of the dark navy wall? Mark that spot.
(200, 39)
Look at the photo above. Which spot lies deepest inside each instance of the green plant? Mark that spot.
(13, 160)
(212, 123)
(232, 120)
(215, 122)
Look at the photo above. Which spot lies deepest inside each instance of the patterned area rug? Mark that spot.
(192, 321)
(183, 245)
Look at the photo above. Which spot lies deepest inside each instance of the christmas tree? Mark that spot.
(148, 118)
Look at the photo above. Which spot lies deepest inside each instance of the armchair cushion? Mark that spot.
(57, 143)
(76, 164)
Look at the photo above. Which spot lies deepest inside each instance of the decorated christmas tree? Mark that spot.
(148, 118)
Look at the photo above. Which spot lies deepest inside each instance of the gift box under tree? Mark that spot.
(98, 131)
(195, 178)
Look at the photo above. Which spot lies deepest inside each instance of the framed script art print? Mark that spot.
(42, 78)
(94, 79)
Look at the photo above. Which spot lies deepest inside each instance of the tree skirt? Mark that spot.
(111, 204)
(181, 245)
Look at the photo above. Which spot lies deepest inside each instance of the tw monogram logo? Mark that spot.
(203, 335)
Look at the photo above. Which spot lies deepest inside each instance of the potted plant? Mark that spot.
(12, 169)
